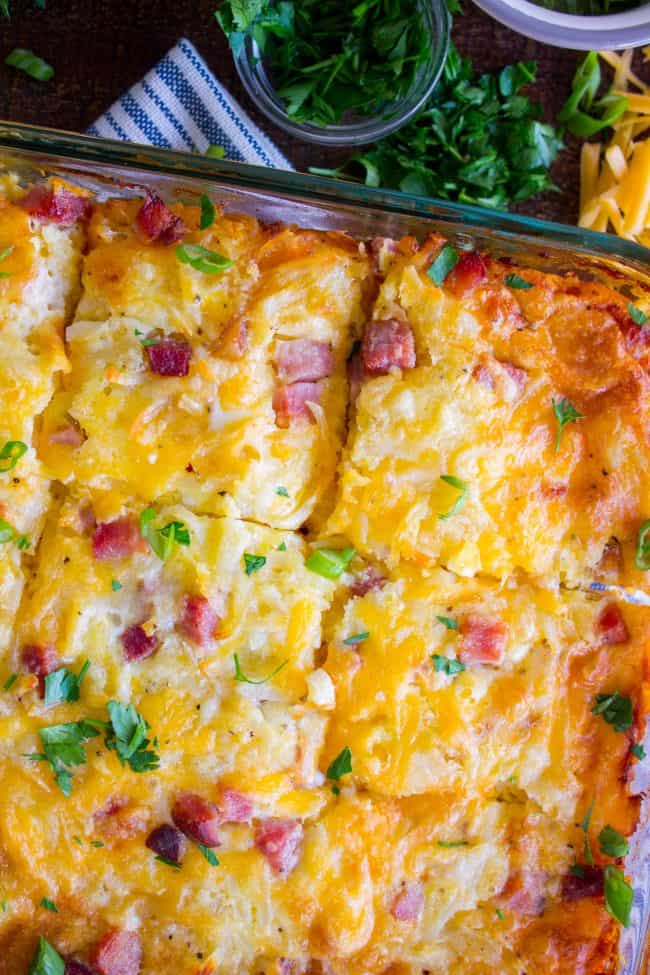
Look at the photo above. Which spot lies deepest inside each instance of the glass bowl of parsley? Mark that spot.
(335, 72)
(587, 25)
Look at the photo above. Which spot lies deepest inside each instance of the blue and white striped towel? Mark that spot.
(179, 104)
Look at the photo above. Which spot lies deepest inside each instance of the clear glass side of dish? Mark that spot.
(113, 168)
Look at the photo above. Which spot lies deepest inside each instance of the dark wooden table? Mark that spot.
(101, 47)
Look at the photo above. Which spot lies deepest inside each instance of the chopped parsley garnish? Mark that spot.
(443, 264)
(638, 317)
(282, 547)
(642, 553)
(97, 844)
(253, 563)
(618, 894)
(565, 412)
(448, 622)
(63, 685)
(583, 113)
(342, 765)
(638, 751)
(519, 284)
(454, 843)
(10, 454)
(207, 212)
(243, 679)
(145, 342)
(4, 906)
(46, 961)
(282, 491)
(351, 641)
(162, 540)
(169, 863)
(30, 63)
(63, 749)
(115, 585)
(10, 681)
(462, 487)
(328, 59)
(202, 259)
(612, 844)
(126, 734)
(4, 254)
(49, 905)
(78, 840)
(9, 534)
(616, 710)
(209, 855)
(330, 563)
(500, 914)
(446, 665)
(584, 826)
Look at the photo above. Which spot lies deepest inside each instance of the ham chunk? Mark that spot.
(56, 206)
(235, 807)
(168, 842)
(119, 952)
(40, 659)
(197, 818)
(367, 581)
(590, 884)
(199, 620)
(291, 402)
(116, 539)
(280, 841)
(156, 222)
(525, 893)
(138, 644)
(483, 640)
(73, 967)
(408, 903)
(387, 345)
(468, 274)
(611, 627)
(303, 360)
(169, 357)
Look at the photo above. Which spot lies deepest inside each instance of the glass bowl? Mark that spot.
(609, 32)
(357, 131)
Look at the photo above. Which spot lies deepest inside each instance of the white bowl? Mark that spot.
(631, 28)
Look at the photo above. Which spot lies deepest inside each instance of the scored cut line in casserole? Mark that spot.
(383, 761)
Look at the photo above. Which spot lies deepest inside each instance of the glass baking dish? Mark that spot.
(116, 168)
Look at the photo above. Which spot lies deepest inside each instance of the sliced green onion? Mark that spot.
(351, 641)
(10, 454)
(243, 679)
(30, 63)
(330, 563)
(201, 259)
(642, 554)
(460, 486)
(519, 284)
(443, 264)
(207, 212)
(638, 317)
(342, 765)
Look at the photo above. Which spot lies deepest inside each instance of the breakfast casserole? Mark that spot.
(323, 618)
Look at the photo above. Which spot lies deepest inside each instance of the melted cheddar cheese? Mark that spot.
(359, 637)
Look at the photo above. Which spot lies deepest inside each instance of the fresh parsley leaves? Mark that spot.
(448, 622)
(462, 487)
(49, 905)
(11, 453)
(63, 685)
(565, 412)
(330, 563)
(583, 113)
(444, 262)
(342, 765)
(162, 540)
(202, 259)
(618, 894)
(126, 734)
(642, 553)
(207, 212)
(10, 681)
(282, 491)
(584, 826)
(612, 844)
(519, 284)
(64, 749)
(616, 709)
(46, 961)
(638, 317)
(209, 855)
(243, 679)
(30, 63)
(4, 254)
(253, 563)
(638, 751)
(9, 534)
(447, 665)
(116, 585)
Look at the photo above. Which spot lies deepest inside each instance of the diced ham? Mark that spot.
(590, 884)
(235, 807)
(169, 357)
(168, 842)
(39, 659)
(611, 627)
(73, 967)
(483, 640)
(408, 903)
(303, 360)
(494, 374)
(199, 620)
(116, 539)
(469, 272)
(280, 841)
(524, 893)
(387, 345)
(119, 952)
(368, 580)
(56, 206)
(197, 818)
(518, 376)
(138, 644)
(156, 222)
(291, 402)
(69, 434)
(119, 819)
